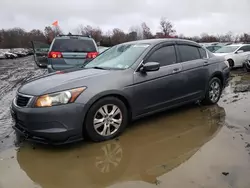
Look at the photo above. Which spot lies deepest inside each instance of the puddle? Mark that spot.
(149, 148)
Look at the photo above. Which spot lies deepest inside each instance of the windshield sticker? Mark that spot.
(119, 66)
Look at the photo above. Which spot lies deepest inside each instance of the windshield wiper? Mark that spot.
(96, 67)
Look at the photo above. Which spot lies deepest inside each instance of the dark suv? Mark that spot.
(68, 51)
(126, 82)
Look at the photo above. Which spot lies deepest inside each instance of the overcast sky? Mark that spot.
(190, 17)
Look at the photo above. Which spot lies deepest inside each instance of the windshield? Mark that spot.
(118, 57)
(227, 49)
(73, 45)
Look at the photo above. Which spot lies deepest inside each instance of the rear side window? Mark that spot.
(203, 53)
(73, 45)
(165, 56)
(189, 53)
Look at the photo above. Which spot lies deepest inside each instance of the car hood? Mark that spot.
(59, 81)
(221, 54)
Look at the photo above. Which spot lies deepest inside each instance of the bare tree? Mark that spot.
(146, 31)
(244, 38)
(138, 31)
(167, 27)
(95, 33)
(118, 36)
(49, 34)
(228, 37)
(208, 38)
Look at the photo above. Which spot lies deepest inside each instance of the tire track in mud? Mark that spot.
(12, 74)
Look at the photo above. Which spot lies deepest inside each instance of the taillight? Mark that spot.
(55, 55)
(92, 55)
(59, 72)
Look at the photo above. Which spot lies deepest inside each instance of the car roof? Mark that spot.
(158, 41)
(73, 37)
(238, 45)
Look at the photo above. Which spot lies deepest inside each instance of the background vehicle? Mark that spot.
(205, 44)
(2, 55)
(10, 55)
(129, 81)
(235, 54)
(68, 51)
(40, 52)
(213, 48)
(20, 52)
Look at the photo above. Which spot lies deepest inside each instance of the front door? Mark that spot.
(158, 89)
(40, 51)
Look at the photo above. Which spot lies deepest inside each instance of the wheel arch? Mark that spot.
(219, 75)
(232, 60)
(117, 94)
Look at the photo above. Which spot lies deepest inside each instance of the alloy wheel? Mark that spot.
(214, 91)
(107, 120)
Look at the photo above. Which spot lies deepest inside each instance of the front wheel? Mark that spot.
(247, 66)
(231, 63)
(213, 92)
(106, 119)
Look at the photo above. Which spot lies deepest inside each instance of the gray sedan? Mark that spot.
(126, 82)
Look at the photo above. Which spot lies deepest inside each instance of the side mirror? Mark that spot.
(239, 52)
(150, 66)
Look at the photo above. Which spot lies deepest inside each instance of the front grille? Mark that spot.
(22, 101)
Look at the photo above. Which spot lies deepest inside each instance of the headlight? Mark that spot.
(58, 98)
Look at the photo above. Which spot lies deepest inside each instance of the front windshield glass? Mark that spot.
(121, 56)
(227, 49)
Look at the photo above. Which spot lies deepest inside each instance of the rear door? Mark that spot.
(40, 51)
(194, 69)
(75, 51)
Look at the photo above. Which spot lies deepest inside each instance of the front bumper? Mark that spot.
(52, 125)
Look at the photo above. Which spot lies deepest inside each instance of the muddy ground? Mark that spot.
(192, 146)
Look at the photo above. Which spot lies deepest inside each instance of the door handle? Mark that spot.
(176, 70)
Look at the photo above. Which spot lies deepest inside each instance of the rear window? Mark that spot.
(189, 53)
(73, 45)
(203, 53)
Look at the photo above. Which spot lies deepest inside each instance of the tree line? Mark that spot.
(19, 38)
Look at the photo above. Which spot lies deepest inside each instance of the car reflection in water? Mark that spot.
(150, 148)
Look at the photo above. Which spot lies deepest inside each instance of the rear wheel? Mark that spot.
(213, 92)
(106, 119)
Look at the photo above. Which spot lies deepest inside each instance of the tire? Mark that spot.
(95, 134)
(231, 63)
(208, 100)
(247, 66)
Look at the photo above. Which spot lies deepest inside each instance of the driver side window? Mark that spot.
(165, 56)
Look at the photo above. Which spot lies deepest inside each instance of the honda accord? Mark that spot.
(126, 82)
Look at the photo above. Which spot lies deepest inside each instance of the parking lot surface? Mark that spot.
(192, 146)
